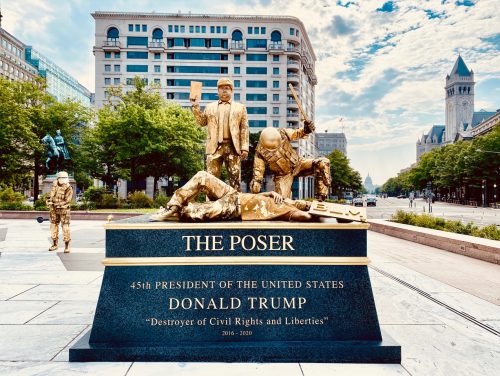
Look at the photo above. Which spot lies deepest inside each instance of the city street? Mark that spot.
(480, 216)
(442, 308)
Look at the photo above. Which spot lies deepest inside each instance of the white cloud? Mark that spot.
(382, 72)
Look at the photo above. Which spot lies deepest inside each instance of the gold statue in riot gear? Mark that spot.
(275, 150)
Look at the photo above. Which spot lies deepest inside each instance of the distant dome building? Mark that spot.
(370, 188)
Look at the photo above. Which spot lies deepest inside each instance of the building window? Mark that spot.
(176, 28)
(275, 36)
(130, 27)
(256, 97)
(107, 68)
(262, 30)
(276, 97)
(170, 29)
(257, 123)
(137, 68)
(250, 30)
(157, 81)
(276, 123)
(237, 35)
(236, 70)
(203, 29)
(276, 84)
(129, 81)
(191, 28)
(117, 68)
(183, 29)
(137, 55)
(276, 70)
(137, 27)
(256, 70)
(276, 110)
(137, 41)
(157, 69)
(256, 43)
(117, 55)
(218, 29)
(144, 28)
(237, 96)
(257, 110)
(255, 83)
(256, 30)
(237, 57)
(224, 29)
(292, 31)
(256, 57)
(276, 57)
(107, 55)
(113, 33)
(107, 81)
(157, 34)
(212, 29)
(116, 81)
(237, 83)
(157, 55)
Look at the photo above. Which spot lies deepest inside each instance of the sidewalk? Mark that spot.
(442, 308)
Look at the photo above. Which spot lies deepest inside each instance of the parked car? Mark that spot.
(358, 201)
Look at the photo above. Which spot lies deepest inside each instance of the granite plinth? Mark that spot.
(235, 292)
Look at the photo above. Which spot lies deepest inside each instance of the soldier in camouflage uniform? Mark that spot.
(228, 203)
(275, 149)
(58, 203)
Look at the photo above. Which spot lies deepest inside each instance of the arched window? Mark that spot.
(157, 34)
(113, 33)
(237, 35)
(275, 36)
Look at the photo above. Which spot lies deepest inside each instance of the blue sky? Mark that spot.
(381, 64)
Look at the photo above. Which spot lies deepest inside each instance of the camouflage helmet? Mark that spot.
(62, 174)
(270, 138)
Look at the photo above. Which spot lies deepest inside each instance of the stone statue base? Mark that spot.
(236, 292)
(49, 180)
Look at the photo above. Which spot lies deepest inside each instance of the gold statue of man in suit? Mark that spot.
(227, 139)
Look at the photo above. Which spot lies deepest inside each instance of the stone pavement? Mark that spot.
(443, 309)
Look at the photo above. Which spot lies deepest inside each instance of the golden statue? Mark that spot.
(59, 210)
(227, 139)
(229, 204)
(275, 150)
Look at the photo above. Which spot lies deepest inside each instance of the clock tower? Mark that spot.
(459, 92)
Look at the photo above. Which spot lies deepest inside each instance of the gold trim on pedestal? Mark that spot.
(248, 225)
(233, 260)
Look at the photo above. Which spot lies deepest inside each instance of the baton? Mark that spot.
(302, 112)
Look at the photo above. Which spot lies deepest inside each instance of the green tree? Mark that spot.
(344, 177)
(28, 113)
(139, 134)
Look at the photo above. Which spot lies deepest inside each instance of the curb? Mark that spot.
(466, 245)
(75, 215)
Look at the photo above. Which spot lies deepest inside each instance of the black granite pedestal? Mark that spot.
(236, 292)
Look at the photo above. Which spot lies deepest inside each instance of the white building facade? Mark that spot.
(328, 142)
(261, 54)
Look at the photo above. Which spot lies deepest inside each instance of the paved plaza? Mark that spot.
(480, 216)
(442, 308)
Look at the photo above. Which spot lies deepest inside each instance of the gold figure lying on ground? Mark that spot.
(227, 136)
(275, 150)
(227, 204)
(58, 202)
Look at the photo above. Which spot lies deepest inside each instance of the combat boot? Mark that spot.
(53, 247)
(67, 249)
